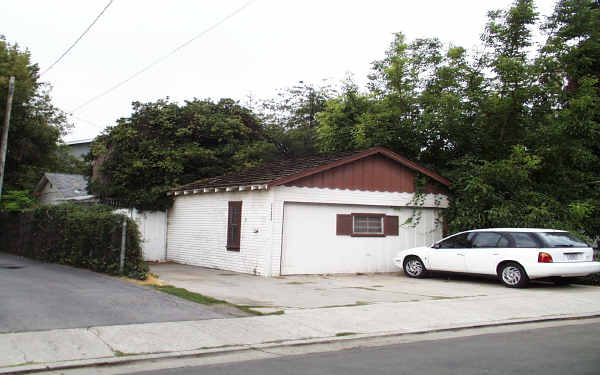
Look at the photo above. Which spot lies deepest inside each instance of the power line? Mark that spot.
(162, 58)
(100, 127)
(78, 39)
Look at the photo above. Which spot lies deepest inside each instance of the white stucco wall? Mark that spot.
(197, 226)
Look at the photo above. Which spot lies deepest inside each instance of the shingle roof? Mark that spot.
(282, 171)
(69, 185)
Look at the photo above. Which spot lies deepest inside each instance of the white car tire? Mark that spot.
(414, 267)
(513, 275)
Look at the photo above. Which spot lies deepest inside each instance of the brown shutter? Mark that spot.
(343, 225)
(234, 224)
(390, 225)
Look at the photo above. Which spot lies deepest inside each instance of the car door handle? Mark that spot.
(462, 255)
(496, 254)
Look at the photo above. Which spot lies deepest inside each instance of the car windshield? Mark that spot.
(562, 239)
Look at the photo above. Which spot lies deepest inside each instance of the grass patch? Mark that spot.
(340, 334)
(119, 353)
(186, 294)
(357, 303)
(206, 300)
(443, 297)
(21, 364)
(299, 282)
(250, 310)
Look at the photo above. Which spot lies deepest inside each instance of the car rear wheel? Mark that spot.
(513, 275)
(414, 267)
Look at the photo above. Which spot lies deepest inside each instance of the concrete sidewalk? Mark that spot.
(65, 348)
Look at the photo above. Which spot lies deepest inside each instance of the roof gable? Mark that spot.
(68, 185)
(372, 173)
(282, 172)
(362, 155)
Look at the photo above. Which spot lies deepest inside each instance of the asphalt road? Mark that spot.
(573, 350)
(40, 296)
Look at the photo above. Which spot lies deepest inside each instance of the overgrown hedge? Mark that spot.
(81, 236)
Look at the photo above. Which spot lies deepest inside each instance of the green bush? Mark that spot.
(16, 200)
(81, 236)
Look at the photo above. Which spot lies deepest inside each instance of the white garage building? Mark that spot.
(338, 213)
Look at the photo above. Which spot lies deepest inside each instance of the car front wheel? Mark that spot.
(414, 267)
(513, 275)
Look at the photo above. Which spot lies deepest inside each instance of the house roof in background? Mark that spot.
(69, 185)
(79, 141)
(281, 172)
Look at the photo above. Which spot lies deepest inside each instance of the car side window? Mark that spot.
(503, 242)
(523, 239)
(490, 239)
(486, 239)
(460, 241)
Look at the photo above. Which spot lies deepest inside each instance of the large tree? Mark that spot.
(164, 144)
(290, 118)
(516, 128)
(36, 125)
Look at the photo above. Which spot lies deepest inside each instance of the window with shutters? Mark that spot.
(367, 225)
(234, 224)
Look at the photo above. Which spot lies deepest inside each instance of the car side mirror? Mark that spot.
(436, 246)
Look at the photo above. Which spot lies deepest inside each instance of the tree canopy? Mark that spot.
(164, 144)
(290, 119)
(36, 125)
(515, 127)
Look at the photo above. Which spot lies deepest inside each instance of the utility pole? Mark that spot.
(4, 144)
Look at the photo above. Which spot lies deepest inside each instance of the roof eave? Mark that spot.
(230, 188)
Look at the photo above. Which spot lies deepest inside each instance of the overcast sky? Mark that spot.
(269, 45)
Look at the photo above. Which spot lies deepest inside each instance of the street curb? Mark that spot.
(113, 361)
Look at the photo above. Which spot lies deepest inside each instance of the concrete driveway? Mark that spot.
(323, 291)
(38, 296)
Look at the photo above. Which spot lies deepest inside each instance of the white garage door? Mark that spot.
(311, 246)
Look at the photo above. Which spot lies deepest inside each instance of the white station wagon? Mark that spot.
(515, 255)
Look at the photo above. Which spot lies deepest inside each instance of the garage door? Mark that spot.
(310, 244)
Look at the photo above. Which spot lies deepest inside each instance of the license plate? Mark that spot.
(576, 256)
